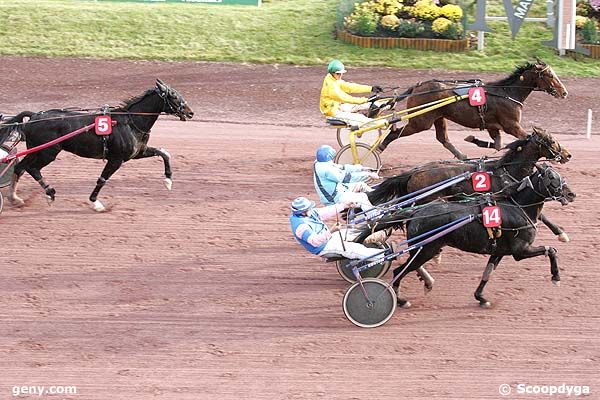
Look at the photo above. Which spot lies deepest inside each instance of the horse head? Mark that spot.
(546, 80)
(551, 185)
(549, 147)
(174, 103)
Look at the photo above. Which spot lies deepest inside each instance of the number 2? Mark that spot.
(481, 182)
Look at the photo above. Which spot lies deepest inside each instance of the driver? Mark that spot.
(311, 232)
(336, 183)
(336, 100)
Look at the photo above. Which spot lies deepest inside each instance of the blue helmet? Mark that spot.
(325, 153)
(301, 204)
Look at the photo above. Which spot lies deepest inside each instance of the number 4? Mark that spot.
(477, 96)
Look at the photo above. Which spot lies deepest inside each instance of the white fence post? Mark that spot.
(589, 124)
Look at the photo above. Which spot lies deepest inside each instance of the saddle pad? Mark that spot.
(462, 90)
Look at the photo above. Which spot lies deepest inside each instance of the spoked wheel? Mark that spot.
(1, 202)
(368, 138)
(366, 157)
(376, 271)
(373, 311)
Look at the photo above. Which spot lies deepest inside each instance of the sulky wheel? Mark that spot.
(376, 271)
(366, 157)
(368, 138)
(369, 314)
(1, 202)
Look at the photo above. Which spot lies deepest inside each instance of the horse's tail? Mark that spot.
(12, 124)
(390, 188)
(395, 220)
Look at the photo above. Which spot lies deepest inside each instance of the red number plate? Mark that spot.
(477, 96)
(492, 217)
(103, 125)
(481, 182)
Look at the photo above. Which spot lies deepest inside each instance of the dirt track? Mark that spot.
(201, 293)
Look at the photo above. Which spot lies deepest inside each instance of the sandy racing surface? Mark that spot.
(201, 293)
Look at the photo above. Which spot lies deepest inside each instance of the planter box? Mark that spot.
(404, 43)
(593, 48)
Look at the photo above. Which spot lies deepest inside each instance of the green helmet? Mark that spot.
(336, 66)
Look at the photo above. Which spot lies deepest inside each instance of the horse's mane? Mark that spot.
(509, 80)
(512, 151)
(134, 99)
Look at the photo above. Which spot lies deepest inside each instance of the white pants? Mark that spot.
(347, 248)
(350, 113)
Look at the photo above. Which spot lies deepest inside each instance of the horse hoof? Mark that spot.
(563, 237)
(98, 206)
(470, 138)
(168, 183)
(404, 303)
(427, 288)
(437, 259)
(16, 201)
(556, 283)
(50, 200)
(485, 304)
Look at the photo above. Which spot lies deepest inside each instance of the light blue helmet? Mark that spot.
(325, 153)
(301, 204)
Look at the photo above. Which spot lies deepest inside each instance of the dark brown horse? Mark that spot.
(517, 163)
(502, 110)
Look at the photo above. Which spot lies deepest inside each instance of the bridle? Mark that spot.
(556, 156)
(545, 183)
(549, 86)
(178, 108)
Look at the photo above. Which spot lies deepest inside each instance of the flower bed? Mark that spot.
(404, 23)
(587, 24)
(405, 43)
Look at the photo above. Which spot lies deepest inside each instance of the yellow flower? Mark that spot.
(425, 10)
(390, 21)
(452, 12)
(580, 21)
(441, 25)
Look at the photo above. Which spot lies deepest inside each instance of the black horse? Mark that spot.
(520, 207)
(502, 111)
(128, 139)
(517, 163)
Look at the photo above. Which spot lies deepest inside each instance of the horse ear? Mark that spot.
(161, 85)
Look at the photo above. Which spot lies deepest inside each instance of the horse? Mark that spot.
(517, 163)
(520, 205)
(128, 140)
(501, 112)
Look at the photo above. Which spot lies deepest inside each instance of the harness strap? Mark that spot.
(330, 197)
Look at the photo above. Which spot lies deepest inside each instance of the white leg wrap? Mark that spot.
(98, 206)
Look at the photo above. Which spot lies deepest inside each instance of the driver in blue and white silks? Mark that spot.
(311, 232)
(336, 183)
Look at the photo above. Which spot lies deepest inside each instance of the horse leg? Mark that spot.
(109, 169)
(12, 190)
(32, 163)
(427, 279)
(441, 133)
(541, 251)
(414, 262)
(151, 152)
(556, 229)
(494, 134)
(487, 273)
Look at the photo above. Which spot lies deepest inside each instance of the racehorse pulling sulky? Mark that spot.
(128, 139)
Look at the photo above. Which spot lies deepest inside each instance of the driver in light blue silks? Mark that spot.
(336, 183)
(311, 232)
